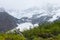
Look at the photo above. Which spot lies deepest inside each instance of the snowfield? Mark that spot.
(34, 13)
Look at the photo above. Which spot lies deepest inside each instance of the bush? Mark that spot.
(45, 31)
(11, 37)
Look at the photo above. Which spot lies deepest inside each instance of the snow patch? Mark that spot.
(24, 26)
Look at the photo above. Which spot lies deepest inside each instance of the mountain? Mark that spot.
(7, 22)
(35, 16)
(28, 18)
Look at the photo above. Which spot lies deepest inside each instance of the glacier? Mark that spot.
(33, 14)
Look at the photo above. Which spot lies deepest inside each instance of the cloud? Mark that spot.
(23, 4)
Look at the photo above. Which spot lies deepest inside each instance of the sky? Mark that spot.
(24, 4)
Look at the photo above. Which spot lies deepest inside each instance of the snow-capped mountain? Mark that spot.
(34, 16)
(30, 17)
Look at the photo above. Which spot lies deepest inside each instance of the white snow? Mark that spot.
(28, 25)
(24, 26)
(57, 14)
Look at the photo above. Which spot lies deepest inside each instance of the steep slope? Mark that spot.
(36, 15)
(7, 21)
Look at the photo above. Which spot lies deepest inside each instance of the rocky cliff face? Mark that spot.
(7, 21)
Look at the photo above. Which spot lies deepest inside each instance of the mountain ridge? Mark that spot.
(34, 16)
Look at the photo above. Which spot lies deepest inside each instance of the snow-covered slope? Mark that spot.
(35, 15)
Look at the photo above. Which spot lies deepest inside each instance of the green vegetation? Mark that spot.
(11, 37)
(45, 31)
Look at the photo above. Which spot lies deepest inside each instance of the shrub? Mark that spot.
(11, 37)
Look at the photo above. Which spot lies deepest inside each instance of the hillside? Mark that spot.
(45, 31)
(7, 22)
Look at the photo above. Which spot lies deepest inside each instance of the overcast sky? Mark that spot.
(23, 4)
